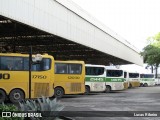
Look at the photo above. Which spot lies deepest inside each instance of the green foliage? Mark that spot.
(151, 55)
(45, 106)
(9, 108)
(154, 40)
(4, 107)
(151, 52)
(157, 37)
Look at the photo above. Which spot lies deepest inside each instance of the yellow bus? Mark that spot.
(69, 78)
(46, 77)
(134, 79)
(126, 82)
(14, 77)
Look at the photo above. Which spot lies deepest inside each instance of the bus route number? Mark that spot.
(39, 76)
(4, 76)
(73, 77)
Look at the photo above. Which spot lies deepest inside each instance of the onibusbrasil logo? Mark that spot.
(20, 114)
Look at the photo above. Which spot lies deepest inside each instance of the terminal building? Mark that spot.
(62, 29)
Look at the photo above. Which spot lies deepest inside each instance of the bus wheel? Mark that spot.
(58, 92)
(145, 85)
(141, 84)
(16, 95)
(87, 90)
(2, 96)
(130, 85)
(108, 89)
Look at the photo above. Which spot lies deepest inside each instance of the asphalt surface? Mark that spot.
(121, 105)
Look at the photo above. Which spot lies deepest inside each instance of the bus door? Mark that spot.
(42, 79)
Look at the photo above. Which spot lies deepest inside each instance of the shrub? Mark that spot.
(9, 108)
(48, 108)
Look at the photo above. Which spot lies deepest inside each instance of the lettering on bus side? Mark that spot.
(134, 79)
(39, 76)
(96, 79)
(73, 77)
(4, 76)
(116, 80)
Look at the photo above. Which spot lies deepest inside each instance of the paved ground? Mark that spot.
(135, 99)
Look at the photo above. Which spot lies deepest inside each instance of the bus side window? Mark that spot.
(3, 66)
(10, 66)
(87, 71)
(61, 68)
(6, 63)
(11, 63)
(18, 63)
(75, 68)
(26, 64)
(100, 71)
(108, 73)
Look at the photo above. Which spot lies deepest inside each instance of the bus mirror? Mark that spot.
(37, 58)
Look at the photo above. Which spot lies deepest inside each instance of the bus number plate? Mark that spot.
(39, 76)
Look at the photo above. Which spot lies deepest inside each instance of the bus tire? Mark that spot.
(2, 96)
(145, 85)
(108, 89)
(58, 92)
(141, 84)
(130, 85)
(16, 96)
(87, 90)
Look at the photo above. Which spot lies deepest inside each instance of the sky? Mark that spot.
(134, 20)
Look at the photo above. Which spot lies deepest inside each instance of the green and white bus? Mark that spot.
(95, 78)
(147, 80)
(114, 79)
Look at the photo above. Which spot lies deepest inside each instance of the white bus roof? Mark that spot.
(90, 65)
(112, 68)
(147, 73)
(130, 71)
(134, 72)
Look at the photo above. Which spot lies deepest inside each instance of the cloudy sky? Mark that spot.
(134, 20)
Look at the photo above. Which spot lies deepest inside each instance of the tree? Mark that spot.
(151, 52)
(157, 37)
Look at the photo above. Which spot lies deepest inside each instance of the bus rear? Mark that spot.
(126, 82)
(14, 72)
(95, 78)
(114, 79)
(134, 79)
(147, 80)
(69, 78)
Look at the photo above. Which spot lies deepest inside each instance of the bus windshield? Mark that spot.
(147, 76)
(94, 70)
(22, 64)
(133, 75)
(114, 73)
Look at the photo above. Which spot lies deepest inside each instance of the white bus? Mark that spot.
(95, 78)
(147, 80)
(157, 81)
(114, 79)
(134, 79)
